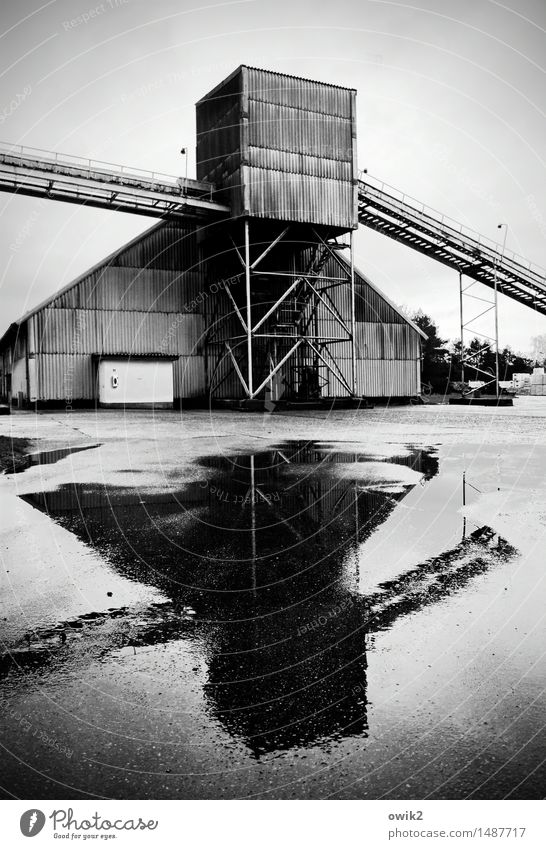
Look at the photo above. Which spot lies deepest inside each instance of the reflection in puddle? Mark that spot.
(46, 458)
(254, 559)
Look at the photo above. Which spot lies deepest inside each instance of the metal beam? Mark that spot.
(328, 365)
(276, 305)
(274, 371)
(248, 309)
(269, 248)
(237, 369)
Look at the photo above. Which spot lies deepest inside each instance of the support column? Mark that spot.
(464, 504)
(497, 387)
(353, 316)
(462, 329)
(253, 523)
(31, 361)
(248, 308)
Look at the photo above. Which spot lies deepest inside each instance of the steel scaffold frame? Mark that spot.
(467, 326)
(493, 306)
(311, 290)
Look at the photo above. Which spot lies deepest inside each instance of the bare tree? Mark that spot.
(538, 349)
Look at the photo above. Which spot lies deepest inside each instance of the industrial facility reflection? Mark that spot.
(257, 559)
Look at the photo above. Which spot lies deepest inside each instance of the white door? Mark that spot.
(136, 383)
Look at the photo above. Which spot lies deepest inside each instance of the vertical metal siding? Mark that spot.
(280, 147)
(189, 377)
(219, 130)
(299, 93)
(300, 163)
(285, 128)
(72, 377)
(125, 309)
(153, 290)
(65, 377)
(151, 333)
(19, 377)
(387, 378)
(383, 341)
(170, 246)
(297, 197)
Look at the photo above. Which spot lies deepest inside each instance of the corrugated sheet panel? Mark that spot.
(328, 326)
(285, 196)
(73, 376)
(260, 130)
(19, 377)
(151, 333)
(189, 377)
(219, 128)
(153, 290)
(232, 189)
(370, 306)
(289, 129)
(376, 340)
(300, 163)
(281, 89)
(171, 246)
(376, 378)
(68, 377)
(68, 331)
(20, 343)
(62, 331)
(219, 148)
(387, 378)
(220, 372)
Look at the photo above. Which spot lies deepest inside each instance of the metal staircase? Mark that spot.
(402, 218)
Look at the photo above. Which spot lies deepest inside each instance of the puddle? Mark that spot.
(261, 558)
(46, 458)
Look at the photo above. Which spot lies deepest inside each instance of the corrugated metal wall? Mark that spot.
(218, 126)
(146, 300)
(124, 310)
(189, 377)
(19, 378)
(281, 147)
(65, 377)
(64, 331)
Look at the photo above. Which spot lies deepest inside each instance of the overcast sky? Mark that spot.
(451, 101)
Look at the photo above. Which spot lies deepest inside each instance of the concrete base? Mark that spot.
(136, 405)
(258, 405)
(483, 402)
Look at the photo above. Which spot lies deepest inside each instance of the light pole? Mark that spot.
(497, 392)
(184, 152)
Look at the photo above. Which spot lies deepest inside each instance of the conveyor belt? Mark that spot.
(450, 243)
(39, 173)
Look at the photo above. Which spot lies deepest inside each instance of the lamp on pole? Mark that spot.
(497, 392)
(184, 152)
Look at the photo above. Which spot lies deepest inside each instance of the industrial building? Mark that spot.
(263, 303)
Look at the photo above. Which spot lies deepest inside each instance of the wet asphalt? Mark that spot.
(279, 618)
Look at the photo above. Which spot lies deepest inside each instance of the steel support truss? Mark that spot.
(490, 342)
(260, 323)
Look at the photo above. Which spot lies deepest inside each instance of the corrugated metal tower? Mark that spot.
(282, 153)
